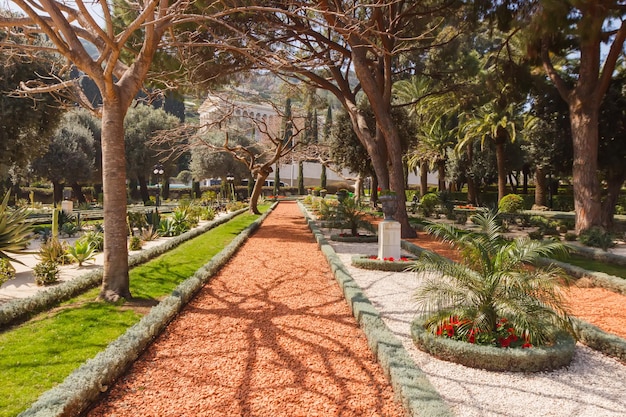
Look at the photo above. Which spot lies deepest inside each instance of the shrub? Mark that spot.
(15, 233)
(570, 236)
(428, 203)
(7, 271)
(95, 240)
(207, 213)
(511, 203)
(82, 251)
(149, 234)
(46, 272)
(135, 243)
(53, 251)
(493, 285)
(69, 229)
(137, 221)
(536, 235)
(597, 238)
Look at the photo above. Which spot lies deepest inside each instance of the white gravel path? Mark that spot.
(593, 385)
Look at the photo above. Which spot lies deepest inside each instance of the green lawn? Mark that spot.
(42, 352)
(592, 265)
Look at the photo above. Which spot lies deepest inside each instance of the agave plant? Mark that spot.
(15, 233)
(498, 281)
(81, 252)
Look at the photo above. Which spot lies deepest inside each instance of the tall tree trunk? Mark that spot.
(472, 192)
(143, 189)
(165, 187)
(584, 122)
(526, 173)
(441, 173)
(133, 192)
(500, 162)
(301, 178)
(196, 191)
(57, 192)
(261, 176)
(78, 192)
(614, 185)
(541, 185)
(423, 178)
(115, 282)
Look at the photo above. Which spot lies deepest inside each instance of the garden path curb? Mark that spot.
(16, 310)
(83, 386)
(418, 396)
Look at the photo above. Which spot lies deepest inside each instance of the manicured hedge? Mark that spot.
(492, 358)
(411, 385)
(83, 386)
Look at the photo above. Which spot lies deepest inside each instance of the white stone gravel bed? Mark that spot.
(593, 385)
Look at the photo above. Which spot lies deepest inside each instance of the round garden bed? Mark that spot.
(347, 237)
(374, 263)
(491, 358)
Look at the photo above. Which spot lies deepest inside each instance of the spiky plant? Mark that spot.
(15, 233)
(81, 252)
(499, 280)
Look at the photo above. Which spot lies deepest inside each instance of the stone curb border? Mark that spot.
(15, 310)
(410, 384)
(83, 386)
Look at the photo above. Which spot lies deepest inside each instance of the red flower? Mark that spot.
(527, 345)
(378, 189)
(391, 259)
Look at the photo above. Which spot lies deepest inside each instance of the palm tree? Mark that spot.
(495, 124)
(499, 279)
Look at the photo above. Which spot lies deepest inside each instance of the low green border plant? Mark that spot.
(393, 265)
(150, 281)
(493, 358)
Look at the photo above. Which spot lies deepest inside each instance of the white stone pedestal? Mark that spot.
(67, 206)
(389, 234)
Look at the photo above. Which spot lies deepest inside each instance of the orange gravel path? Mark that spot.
(270, 335)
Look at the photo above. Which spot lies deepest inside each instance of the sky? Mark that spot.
(92, 5)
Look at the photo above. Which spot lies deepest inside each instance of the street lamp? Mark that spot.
(158, 171)
(230, 178)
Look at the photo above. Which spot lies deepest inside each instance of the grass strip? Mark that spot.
(594, 265)
(41, 353)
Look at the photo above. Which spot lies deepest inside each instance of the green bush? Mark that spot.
(511, 203)
(53, 251)
(135, 243)
(95, 239)
(46, 272)
(596, 237)
(82, 251)
(207, 213)
(69, 229)
(428, 203)
(570, 236)
(7, 271)
(536, 235)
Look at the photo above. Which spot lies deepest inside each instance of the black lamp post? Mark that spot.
(230, 178)
(158, 171)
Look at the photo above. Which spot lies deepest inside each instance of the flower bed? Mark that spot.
(387, 264)
(493, 358)
(348, 237)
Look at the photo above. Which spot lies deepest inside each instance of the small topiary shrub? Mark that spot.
(536, 235)
(7, 271)
(46, 272)
(428, 203)
(570, 236)
(135, 243)
(511, 203)
(596, 237)
(53, 251)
